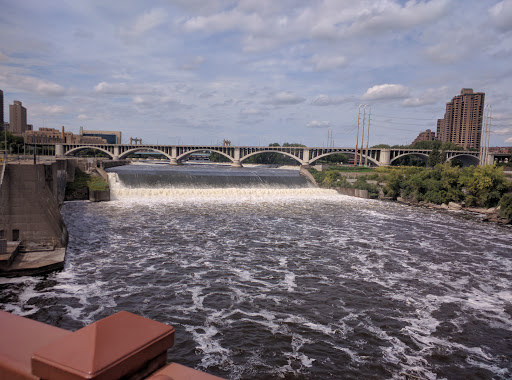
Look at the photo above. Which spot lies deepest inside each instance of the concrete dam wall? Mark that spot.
(30, 200)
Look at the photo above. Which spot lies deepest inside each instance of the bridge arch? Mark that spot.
(466, 159)
(186, 154)
(130, 151)
(79, 148)
(377, 163)
(272, 151)
(423, 156)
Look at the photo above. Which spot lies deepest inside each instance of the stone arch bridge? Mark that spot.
(237, 154)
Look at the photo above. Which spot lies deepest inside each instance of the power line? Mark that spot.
(410, 118)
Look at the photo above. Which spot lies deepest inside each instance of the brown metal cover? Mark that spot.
(19, 339)
(175, 371)
(110, 348)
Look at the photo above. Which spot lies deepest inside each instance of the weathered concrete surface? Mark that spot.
(30, 219)
(353, 192)
(31, 196)
(33, 263)
(99, 195)
(7, 256)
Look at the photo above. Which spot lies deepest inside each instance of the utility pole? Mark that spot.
(488, 135)
(485, 137)
(362, 134)
(357, 133)
(367, 136)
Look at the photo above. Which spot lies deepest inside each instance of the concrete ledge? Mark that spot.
(99, 195)
(34, 263)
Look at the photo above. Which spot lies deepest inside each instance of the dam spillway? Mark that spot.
(196, 182)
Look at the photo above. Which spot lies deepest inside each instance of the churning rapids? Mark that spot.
(264, 276)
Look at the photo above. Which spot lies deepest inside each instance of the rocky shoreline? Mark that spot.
(489, 214)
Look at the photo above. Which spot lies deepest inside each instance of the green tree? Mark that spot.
(506, 207)
(435, 157)
(484, 185)
(217, 157)
(14, 143)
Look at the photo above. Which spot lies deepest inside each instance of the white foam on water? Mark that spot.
(289, 282)
(212, 351)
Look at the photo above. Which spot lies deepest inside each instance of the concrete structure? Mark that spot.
(428, 135)
(123, 345)
(305, 156)
(462, 122)
(1, 110)
(30, 199)
(111, 137)
(54, 136)
(17, 118)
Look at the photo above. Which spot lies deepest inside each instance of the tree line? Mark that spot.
(481, 186)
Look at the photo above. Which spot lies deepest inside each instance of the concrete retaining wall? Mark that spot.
(353, 192)
(30, 199)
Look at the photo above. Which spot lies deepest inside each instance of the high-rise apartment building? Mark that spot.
(462, 122)
(1, 110)
(17, 118)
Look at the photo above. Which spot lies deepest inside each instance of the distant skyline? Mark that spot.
(255, 71)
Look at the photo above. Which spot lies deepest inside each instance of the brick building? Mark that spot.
(54, 136)
(462, 122)
(428, 135)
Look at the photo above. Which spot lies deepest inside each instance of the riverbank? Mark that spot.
(485, 190)
(488, 214)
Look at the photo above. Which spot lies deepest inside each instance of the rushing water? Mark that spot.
(268, 281)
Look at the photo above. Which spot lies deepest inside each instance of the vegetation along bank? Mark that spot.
(483, 187)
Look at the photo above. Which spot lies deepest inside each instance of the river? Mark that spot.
(264, 276)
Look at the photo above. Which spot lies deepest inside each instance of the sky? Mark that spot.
(255, 71)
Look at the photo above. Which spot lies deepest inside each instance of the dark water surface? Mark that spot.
(295, 283)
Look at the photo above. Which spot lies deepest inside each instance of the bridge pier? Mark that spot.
(385, 157)
(174, 162)
(59, 150)
(236, 159)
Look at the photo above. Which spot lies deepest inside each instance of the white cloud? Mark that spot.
(223, 21)
(285, 98)
(386, 91)
(38, 109)
(193, 63)
(33, 85)
(328, 63)
(146, 22)
(430, 96)
(502, 131)
(82, 117)
(325, 100)
(509, 140)
(501, 15)
(250, 111)
(318, 124)
(123, 89)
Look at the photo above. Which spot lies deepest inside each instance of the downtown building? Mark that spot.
(18, 119)
(462, 122)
